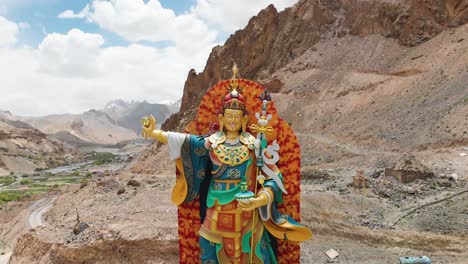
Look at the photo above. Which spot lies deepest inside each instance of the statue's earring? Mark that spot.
(221, 123)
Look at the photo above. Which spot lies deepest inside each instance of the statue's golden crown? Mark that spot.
(234, 98)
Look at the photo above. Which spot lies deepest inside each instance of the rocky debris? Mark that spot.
(453, 177)
(371, 225)
(331, 253)
(129, 158)
(314, 175)
(79, 227)
(121, 191)
(107, 185)
(409, 169)
(377, 173)
(98, 174)
(133, 183)
(274, 85)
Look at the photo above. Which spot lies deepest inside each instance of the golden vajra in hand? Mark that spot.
(148, 124)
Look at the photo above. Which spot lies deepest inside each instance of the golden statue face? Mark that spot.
(233, 119)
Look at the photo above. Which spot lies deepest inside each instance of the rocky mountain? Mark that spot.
(117, 108)
(118, 121)
(24, 149)
(381, 72)
(128, 114)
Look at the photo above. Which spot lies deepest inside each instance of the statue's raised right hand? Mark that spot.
(148, 125)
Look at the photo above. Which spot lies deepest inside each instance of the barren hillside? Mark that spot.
(24, 149)
(91, 126)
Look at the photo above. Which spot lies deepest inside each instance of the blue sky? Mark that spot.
(90, 52)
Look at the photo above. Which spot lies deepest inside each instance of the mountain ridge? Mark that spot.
(271, 40)
(280, 50)
(118, 121)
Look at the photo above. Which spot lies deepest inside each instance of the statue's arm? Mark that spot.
(174, 140)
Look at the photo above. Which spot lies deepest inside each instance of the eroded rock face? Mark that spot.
(271, 39)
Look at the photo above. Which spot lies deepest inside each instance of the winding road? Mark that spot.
(34, 220)
(38, 209)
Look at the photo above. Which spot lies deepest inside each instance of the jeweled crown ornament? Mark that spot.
(234, 99)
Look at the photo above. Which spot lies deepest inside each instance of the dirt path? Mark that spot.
(38, 209)
(358, 150)
(397, 217)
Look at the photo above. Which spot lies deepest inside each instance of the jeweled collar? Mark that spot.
(220, 137)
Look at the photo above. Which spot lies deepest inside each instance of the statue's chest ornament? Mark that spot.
(232, 155)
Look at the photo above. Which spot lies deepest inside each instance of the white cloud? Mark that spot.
(231, 15)
(8, 32)
(73, 55)
(73, 72)
(136, 20)
(71, 14)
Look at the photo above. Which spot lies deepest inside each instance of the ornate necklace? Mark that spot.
(231, 155)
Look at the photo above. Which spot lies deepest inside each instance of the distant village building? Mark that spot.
(409, 169)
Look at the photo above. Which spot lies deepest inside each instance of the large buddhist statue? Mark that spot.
(237, 186)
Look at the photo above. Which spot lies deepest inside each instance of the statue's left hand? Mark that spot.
(253, 203)
(148, 125)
